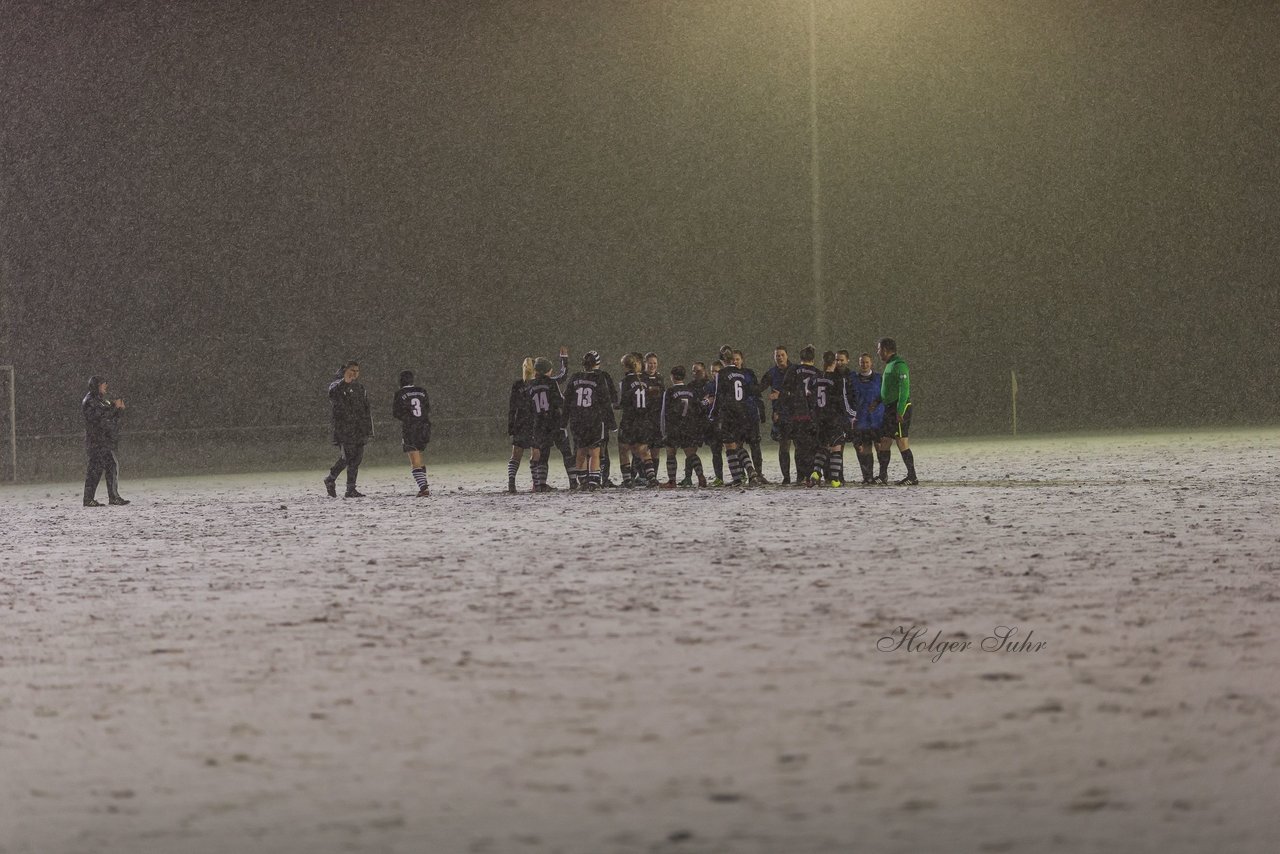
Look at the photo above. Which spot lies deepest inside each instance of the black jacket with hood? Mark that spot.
(101, 418)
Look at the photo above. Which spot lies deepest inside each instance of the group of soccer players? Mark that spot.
(815, 410)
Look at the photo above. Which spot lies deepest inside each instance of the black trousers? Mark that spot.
(350, 460)
(102, 461)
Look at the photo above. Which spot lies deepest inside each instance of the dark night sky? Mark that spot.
(216, 203)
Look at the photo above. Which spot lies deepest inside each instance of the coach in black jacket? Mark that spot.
(352, 428)
(101, 435)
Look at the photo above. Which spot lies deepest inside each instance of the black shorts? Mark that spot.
(733, 425)
(831, 432)
(415, 438)
(684, 439)
(802, 432)
(866, 437)
(544, 435)
(635, 432)
(591, 434)
(896, 427)
(523, 440)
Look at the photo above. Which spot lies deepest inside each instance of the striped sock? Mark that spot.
(694, 462)
(820, 462)
(420, 477)
(672, 467)
(746, 462)
(835, 467)
(735, 465)
(513, 466)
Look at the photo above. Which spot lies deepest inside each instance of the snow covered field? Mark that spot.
(242, 664)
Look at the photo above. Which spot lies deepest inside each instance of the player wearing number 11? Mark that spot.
(412, 408)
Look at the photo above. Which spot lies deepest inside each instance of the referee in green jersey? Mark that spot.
(895, 393)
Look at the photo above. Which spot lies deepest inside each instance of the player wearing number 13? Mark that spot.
(412, 408)
(589, 414)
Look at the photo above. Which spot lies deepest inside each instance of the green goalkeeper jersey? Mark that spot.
(895, 385)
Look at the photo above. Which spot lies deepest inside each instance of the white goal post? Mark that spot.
(11, 416)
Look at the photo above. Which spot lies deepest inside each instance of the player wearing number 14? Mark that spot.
(412, 408)
(546, 418)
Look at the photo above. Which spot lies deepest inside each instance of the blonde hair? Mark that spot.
(526, 368)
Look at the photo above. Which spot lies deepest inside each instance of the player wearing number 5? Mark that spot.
(412, 408)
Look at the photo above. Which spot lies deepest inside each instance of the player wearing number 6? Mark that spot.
(732, 417)
(412, 408)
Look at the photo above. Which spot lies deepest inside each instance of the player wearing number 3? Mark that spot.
(412, 408)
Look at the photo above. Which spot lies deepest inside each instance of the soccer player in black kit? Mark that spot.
(781, 430)
(546, 415)
(653, 400)
(795, 394)
(755, 406)
(683, 427)
(412, 408)
(635, 429)
(518, 422)
(732, 417)
(589, 413)
(832, 418)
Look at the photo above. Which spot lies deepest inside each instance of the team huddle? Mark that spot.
(815, 410)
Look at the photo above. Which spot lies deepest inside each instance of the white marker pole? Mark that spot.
(1013, 376)
(13, 421)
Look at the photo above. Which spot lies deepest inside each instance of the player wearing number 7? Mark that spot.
(412, 408)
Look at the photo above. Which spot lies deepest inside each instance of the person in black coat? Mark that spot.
(101, 436)
(352, 428)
